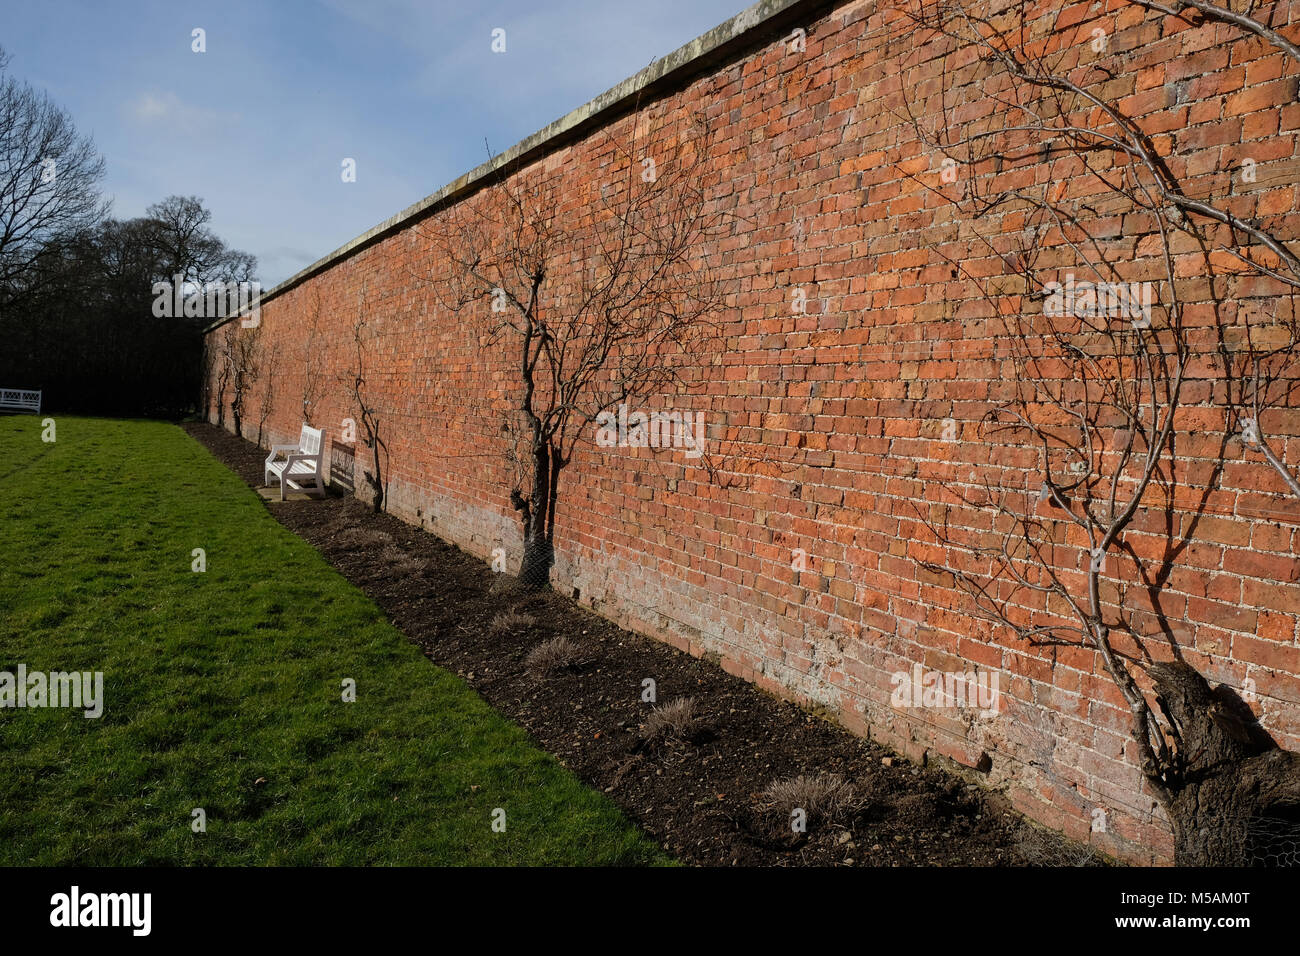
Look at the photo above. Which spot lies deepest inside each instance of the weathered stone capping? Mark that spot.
(833, 418)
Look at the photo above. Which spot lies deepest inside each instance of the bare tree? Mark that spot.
(49, 179)
(355, 381)
(597, 310)
(267, 361)
(313, 360)
(186, 246)
(218, 358)
(240, 353)
(1095, 431)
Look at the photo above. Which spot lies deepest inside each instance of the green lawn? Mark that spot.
(223, 689)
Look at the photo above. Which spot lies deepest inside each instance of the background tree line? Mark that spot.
(76, 285)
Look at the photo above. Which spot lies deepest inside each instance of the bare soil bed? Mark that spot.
(700, 786)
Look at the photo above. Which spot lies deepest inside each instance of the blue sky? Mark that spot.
(259, 124)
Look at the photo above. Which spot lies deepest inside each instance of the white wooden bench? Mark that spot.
(20, 400)
(302, 465)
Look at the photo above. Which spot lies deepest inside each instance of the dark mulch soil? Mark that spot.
(701, 797)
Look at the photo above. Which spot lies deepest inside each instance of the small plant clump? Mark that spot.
(673, 721)
(552, 657)
(401, 560)
(511, 622)
(824, 797)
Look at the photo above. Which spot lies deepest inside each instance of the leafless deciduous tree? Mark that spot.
(240, 349)
(595, 308)
(355, 382)
(313, 360)
(48, 182)
(268, 364)
(220, 362)
(1119, 360)
(185, 245)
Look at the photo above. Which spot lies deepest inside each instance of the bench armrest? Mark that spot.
(277, 449)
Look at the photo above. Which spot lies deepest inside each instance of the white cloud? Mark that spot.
(169, 110)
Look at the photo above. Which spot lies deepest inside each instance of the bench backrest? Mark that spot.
(309, 441)
(24, 398)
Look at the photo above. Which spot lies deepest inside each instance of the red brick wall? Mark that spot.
(832, 419)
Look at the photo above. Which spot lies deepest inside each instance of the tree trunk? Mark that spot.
(377, 449)
(535, 572)
(1236, 799)
(375, 480)
(539, 555)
